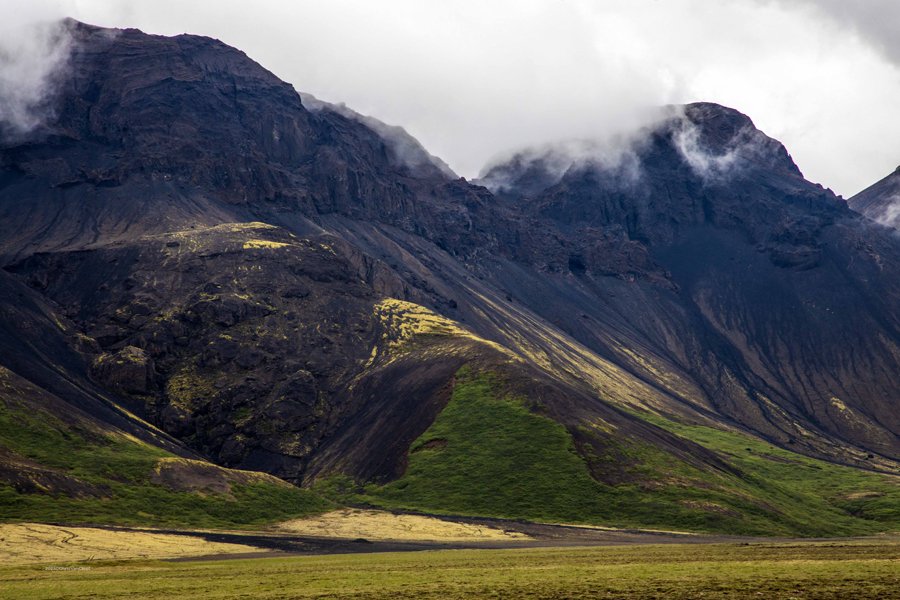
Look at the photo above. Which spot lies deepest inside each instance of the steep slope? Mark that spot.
(761, 289)
(58, 464)
(404, 149)
(488, 454)
(880, 201)
(153, 134)
(283, 285)
(267, 351)
(69, 451)
(46, 349)
(143, 298)
(249, 341)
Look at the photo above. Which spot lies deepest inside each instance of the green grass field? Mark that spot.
(488, 454)
(862, 571)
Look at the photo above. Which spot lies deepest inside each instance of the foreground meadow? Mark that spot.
(836, 570)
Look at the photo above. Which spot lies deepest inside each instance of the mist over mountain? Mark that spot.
(881, 201)
(242, 274)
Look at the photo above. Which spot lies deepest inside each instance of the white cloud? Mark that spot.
(891, 215)
(33, 51)
(704, 163)
(878, 21)
(473, 79)
(616, 156)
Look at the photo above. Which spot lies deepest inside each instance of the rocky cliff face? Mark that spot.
(285, 286)
(211, 137)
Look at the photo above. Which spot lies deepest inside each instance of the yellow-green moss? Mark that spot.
(187, 388)
(267, 244)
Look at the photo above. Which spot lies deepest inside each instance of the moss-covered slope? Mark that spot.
(489, 454)
(59, 465)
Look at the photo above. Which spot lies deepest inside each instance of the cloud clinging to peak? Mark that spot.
(34, 47)
(472, 80)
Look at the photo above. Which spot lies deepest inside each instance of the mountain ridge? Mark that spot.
(880, 201)
(273, 288)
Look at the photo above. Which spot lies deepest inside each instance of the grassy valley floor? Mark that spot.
(831, 570)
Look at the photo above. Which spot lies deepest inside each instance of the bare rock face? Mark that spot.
(703, 165)
(231, 317)
(169, 132)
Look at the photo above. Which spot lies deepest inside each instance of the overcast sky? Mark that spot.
(474, 79)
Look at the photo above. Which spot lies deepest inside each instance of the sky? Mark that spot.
(476, 80)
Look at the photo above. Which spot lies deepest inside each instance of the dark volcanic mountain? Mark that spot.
(283, 285)
(880, 201)
(766, 288)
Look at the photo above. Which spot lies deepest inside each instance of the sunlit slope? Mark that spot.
(489, 453)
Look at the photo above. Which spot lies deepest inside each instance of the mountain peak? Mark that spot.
(715, 142)
(707, 113)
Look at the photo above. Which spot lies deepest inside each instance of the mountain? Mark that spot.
(690, 335)
(767, 292)
(880, 201)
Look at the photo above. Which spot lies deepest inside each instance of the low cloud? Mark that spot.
(711, 166)
(891, 215)
(34, 50)
(724, 159)
(532, 168)
(614, 153)
(473, 79)
(618, 157)
(405, 149)
(707, 165)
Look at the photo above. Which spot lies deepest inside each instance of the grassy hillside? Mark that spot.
(487, 454)
(492, 456)
(59, 466)
(821, 495)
